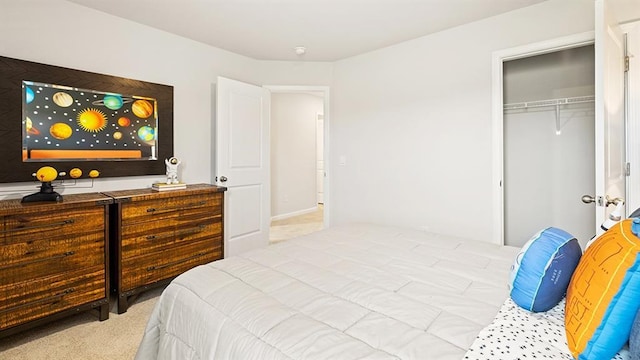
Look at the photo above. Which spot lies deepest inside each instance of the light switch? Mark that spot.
(342, 160)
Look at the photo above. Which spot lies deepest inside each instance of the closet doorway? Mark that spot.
(548, 147)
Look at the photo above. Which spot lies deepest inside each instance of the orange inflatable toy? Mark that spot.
(604, 293)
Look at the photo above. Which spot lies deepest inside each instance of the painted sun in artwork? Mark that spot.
(92, 120)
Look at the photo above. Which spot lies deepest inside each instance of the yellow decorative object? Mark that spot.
(75, 173)
(94, 173)
(46, 174)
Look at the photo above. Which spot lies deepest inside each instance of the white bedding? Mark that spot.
(351, 292)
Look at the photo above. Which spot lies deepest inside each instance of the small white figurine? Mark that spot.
(172, 169)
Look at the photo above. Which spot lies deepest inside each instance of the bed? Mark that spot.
(349, 292)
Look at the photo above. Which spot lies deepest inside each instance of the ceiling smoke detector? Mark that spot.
(300, 50)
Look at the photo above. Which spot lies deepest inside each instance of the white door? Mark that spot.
(242, 163)
(610, 121)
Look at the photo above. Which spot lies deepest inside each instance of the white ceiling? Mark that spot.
(329, 29)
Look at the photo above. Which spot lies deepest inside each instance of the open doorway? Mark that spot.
(298, 178)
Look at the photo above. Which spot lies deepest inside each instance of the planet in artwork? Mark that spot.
(28, 124)
(117, 135)
(94, 173)
(28, 95)
(113, 102)
(75, 173)
(60, 131)
(124, 121)
(62, 99)
(146, 134)
(92, 120)
(46, 174)
(142, 108)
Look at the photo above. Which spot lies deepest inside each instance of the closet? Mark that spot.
(548, 144)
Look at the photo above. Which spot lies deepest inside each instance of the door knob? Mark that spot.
(223, 178)
(588, 199)
(614, 200)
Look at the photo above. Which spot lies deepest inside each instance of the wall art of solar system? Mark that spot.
(62, 123)
(74, 120)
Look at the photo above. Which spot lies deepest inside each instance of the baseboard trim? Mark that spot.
(295, 213)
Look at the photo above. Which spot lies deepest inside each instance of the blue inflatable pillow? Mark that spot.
(542, 270)
(634, 339)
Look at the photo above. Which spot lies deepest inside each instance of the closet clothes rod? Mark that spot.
(552, 102)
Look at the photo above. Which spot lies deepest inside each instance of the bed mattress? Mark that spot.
(348, 292)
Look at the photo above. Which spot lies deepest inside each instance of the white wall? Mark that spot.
(61, 33)
(293, 152)
(414, 122)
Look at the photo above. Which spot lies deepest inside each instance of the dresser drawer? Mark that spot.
(30, 260)
(147, 269)
(30, 300)
(176, 209)
(30, 226)
(136, 241)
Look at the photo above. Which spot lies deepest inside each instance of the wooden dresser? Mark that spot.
(157, 235)
(53, 260)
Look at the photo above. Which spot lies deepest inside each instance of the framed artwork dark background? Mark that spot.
(14, 72)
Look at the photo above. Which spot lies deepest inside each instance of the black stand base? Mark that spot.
(46, 194)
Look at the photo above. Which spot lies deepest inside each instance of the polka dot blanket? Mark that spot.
(516, 333)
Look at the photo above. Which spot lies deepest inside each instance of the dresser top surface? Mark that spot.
(148, 193)
(70, 200)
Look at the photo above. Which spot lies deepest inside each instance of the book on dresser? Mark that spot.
(165, 186)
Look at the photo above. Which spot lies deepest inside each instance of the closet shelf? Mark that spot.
(551, 102)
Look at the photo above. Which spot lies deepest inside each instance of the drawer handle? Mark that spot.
(176, 208)
(48, 300)
(55, 257)
(54, 224)
(159, 267)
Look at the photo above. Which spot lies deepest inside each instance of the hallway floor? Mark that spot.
(288, 228)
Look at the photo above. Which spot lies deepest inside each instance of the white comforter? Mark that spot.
(352, 292)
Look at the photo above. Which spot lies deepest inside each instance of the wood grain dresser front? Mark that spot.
(159, 235)
(53, 260)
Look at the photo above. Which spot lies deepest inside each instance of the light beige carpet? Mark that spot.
(294, 226)
(83, 337)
